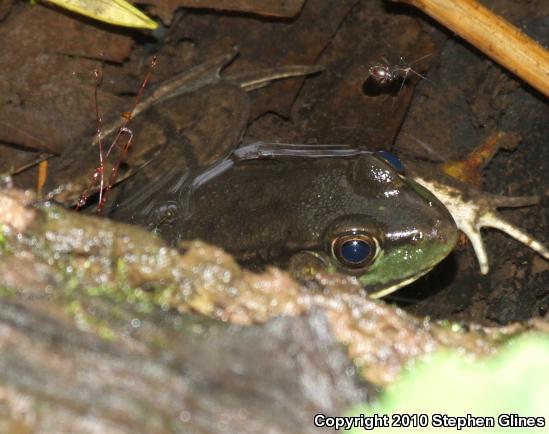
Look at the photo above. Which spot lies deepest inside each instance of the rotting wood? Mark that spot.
(90, 260)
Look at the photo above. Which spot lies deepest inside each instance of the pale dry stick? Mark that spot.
(494, 36)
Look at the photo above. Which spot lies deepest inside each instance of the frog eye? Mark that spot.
(355, 249)
(392, 160)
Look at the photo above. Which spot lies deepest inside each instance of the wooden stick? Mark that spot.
(492, 35)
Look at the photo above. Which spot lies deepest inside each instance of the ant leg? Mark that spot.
(423, 77)
(416, 73)
(404, 73)
(403, 80)
(420, 59)
(408, 66)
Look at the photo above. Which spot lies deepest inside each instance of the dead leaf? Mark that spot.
(267, 44)
(5, 7)
(46, 78)
(77, 36)
(277, 8)
(12, 134)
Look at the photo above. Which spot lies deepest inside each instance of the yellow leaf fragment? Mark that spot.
(118, 12)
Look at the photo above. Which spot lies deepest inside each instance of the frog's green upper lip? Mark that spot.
(407, 263)
(413, 252)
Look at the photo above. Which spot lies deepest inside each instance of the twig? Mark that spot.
(494, 36)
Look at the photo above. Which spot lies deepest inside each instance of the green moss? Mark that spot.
(91, 322)
(4, 247)
(121, 272)
(8, 291)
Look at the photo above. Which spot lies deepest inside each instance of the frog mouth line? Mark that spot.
(386, 291)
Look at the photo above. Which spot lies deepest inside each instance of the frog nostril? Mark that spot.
(417, 237)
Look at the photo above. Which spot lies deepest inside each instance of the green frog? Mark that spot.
(315, 207)
(354, 214)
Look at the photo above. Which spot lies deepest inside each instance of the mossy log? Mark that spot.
(104, 328)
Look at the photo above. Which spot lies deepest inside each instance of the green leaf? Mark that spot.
(516, 381)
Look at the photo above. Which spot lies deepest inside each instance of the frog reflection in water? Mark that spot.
(310, 208)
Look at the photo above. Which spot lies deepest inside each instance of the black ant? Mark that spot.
(385, 75)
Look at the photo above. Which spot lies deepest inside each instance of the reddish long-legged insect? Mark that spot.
(97, 180)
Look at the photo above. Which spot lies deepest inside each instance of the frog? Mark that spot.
(353, 214)
(310, 208)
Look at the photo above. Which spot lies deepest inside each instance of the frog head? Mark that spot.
(387, 230)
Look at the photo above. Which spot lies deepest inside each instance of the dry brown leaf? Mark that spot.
(76, 36)
(15, 134)
(5, 7)
(277, 8)
(266, 44)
